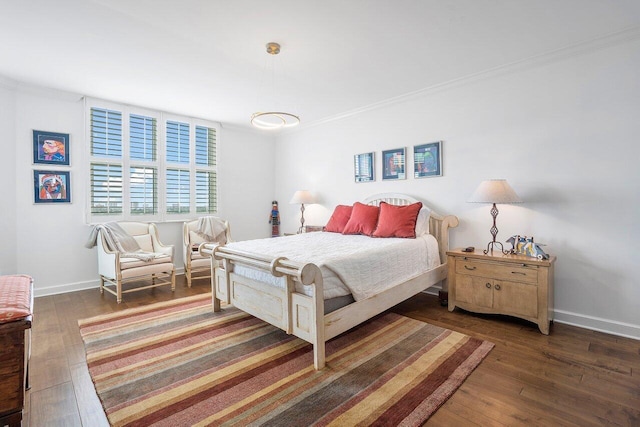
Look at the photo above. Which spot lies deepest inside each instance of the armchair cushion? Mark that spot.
(126, 263)
(144, 241)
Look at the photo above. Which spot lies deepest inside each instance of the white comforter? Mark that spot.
(358, 265)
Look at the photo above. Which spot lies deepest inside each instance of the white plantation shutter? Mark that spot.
(106, 188)
(178, 196)
(177, 142)
(146, 166)
(143, 184)
(206, 180)
(106, 176)
(142, 137)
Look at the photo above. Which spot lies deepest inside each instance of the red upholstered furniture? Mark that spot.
(16, 307)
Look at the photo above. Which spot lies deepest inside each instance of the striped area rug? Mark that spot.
(178, 363)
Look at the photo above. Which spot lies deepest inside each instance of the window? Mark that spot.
(147, 165)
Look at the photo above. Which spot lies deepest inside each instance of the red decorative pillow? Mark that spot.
(364, 219)
(397, 221)
(339, 219)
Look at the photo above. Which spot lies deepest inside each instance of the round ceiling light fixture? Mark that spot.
(272, 120)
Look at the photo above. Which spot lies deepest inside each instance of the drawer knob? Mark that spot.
(497, 287)
(488, 285)
(518, 272)
(469, 268)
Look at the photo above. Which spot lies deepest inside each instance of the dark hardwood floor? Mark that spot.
(573, 377)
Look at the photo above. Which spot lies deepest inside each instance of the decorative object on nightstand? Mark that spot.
(523, 245)
(302, 197)
(494, 191)
(313, 228)
(514, 285)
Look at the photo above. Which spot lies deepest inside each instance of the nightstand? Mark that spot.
(513, 285)
(308, 229)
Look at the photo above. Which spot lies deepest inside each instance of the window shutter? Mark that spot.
(106, 189)
(143, 182)
(178, 187)
(206, 182)
(106, 133)
(142, 137)
(106, 179)
(177, 142)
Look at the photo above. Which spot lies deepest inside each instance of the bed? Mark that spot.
(289, 292)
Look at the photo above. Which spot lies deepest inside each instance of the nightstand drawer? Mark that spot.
(501, 271)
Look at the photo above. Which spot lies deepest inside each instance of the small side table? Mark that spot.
(16, 308)
(513, 285)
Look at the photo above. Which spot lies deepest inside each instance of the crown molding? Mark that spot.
(569, 51)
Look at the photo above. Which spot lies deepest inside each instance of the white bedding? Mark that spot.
(359, 265)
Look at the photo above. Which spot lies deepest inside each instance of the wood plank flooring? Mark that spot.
(573, 377)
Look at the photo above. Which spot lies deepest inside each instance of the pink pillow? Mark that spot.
(397, 221)
(364, 219)
(339, 219)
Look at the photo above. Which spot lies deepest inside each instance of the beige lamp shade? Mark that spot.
(494, 191)
(302, 197)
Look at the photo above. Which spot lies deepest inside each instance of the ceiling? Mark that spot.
(207, 58)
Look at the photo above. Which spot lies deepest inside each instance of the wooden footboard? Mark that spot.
(293, 312)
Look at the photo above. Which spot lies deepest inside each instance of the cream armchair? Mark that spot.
(116, 270)
(193, 261)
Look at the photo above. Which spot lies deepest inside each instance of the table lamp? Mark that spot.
(302, 197)
(494, 191)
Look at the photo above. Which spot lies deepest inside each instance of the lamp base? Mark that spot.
(490, 246)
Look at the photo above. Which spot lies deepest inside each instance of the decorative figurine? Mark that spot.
(274, 219)
(524, 245)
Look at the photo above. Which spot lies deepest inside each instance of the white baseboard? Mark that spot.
(607, 326)
(593, 323)
(72, 287)
(63, 289)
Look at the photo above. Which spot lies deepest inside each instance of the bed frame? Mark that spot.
(303, 315)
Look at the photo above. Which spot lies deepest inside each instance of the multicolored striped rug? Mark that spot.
(178, 363)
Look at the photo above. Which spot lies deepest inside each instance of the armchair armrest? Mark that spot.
(157, 244)
(108, 260)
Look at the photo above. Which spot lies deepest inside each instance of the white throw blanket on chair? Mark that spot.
(212, 229)
(118, 240)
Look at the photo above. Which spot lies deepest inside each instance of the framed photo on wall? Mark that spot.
(364, 167)
(427, 160)
(51, 186)
(393, 164)
(50, 148)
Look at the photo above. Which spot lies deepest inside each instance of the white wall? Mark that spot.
(8, 211)
(47, 241)
(564, 133)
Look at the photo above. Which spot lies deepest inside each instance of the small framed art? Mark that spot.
(51, 186)
(393, 164)
(50, 148)
(427, 160)
(363, 169)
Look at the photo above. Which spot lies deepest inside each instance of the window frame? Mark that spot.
(161, 164)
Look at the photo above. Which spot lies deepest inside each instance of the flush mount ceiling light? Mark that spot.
(276, 119)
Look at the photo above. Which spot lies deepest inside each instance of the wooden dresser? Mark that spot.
(514, 285)
(16, 306)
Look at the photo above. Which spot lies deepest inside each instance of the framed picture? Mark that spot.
(427, 160)
(50, 148)
(363, 169)
(51, 187)
(393, 164)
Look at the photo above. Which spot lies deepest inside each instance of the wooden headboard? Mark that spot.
(439, 225)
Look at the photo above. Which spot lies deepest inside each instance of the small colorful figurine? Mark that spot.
(274, 219)
(524, 245)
